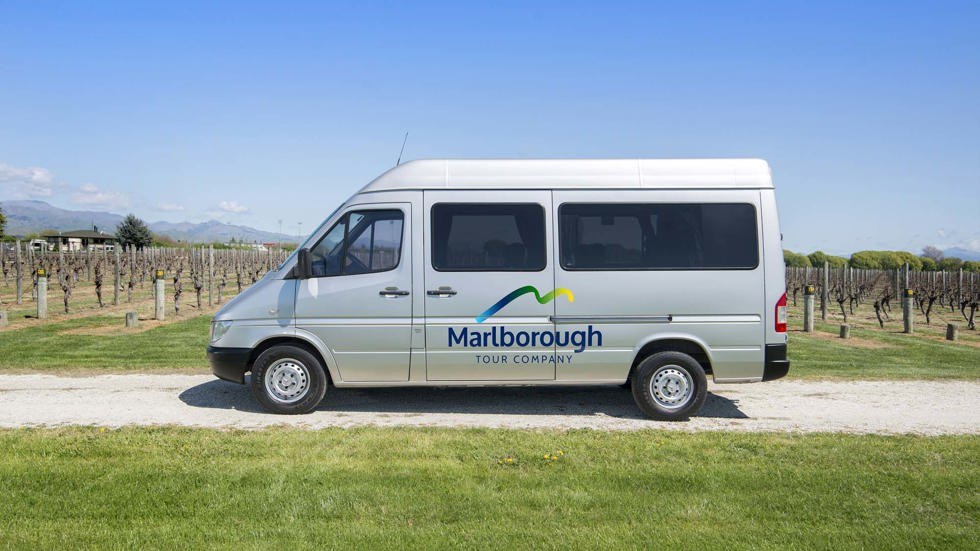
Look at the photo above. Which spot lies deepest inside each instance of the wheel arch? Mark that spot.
(296, 340)
(687, 344)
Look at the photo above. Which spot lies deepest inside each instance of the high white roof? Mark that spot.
(575, 173)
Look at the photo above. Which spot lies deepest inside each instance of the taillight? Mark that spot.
(781, 314)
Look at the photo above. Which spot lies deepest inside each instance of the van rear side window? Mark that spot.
(488, 237)
(658, 236)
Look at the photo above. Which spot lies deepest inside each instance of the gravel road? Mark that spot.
(920, 407)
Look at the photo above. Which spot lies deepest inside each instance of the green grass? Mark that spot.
(181, 345)
(47, 346)
(437, 488)
(899, 356)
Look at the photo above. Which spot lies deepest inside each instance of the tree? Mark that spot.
(161, 240)
(866, 260)
(914, 262)
(133, 231)
(949, 264)
(817, 259)
(3, 222)
(795, 260)
(932, 252)
(885, 260)
(928, 264)
(971, 266)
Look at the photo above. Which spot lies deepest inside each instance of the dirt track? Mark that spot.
(201, 401)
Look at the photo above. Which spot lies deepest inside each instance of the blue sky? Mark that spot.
(868, 112)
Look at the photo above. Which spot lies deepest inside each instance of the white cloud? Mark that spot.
(38, 175)
(170, 207)
(37, 182)
(27, 183)
(941, 233)
(35, 189)
(90, 195)
(232, 206)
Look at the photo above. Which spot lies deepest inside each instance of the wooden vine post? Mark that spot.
(19, 272)
(117, 278)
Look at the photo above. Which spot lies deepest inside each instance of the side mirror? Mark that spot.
(304, 264)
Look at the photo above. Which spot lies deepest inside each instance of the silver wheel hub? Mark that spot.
(287, 381)
(671, 386)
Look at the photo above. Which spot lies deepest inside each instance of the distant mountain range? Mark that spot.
(25, 217)
(962, 254)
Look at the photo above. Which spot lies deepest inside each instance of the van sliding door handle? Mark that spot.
(441, 292)
(393, 292)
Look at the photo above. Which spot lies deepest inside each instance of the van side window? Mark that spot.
(488, 237)
(665, 236)
(361, 242)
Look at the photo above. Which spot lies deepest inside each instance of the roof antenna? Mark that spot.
(399, 161)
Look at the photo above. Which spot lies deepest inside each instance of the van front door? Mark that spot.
(489, 286)
(358, 301)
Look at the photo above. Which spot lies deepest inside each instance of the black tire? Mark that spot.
(669, 386)
(288, 379)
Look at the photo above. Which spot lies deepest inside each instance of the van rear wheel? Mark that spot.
(288, 379)
(669, 386)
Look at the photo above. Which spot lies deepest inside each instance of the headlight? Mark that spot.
(218, 330)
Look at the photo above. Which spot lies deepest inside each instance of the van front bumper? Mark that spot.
(777, 366)
(229, 364)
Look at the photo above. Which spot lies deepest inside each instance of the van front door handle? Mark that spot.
(393, 292)
(441, 292)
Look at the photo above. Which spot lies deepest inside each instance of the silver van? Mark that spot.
(652, 273)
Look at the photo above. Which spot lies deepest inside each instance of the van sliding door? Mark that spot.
(489, 286)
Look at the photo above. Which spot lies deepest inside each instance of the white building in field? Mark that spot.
(253, 246)
(79, 240)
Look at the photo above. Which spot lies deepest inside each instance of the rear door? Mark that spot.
(489, 282)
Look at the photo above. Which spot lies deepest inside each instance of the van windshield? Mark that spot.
(309, 238)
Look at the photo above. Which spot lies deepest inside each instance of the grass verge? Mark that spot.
(429, 488)
(873, 354)
(95, 344)
(57, 346)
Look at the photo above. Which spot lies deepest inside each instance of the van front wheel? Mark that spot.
(288, 379)
(669, 386)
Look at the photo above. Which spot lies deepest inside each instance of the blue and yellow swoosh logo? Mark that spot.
(523, 291)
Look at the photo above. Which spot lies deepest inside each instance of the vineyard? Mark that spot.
(89, 282)
(199, 279)
(938, 297)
